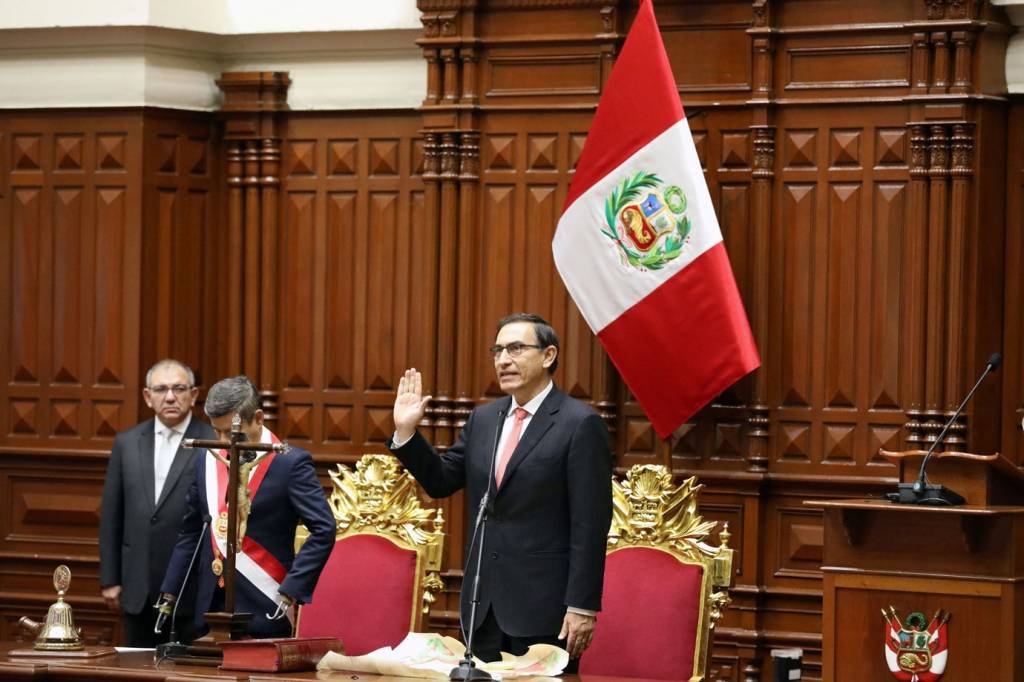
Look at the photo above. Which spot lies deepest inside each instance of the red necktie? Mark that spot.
(510, 444)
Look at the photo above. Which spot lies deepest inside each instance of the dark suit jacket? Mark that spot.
(548, 526)
(136, 534)
(290, 493)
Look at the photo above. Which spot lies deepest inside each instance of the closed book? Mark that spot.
(279, 654)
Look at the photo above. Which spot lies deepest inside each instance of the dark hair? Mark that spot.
(234, 394)
(544, 332)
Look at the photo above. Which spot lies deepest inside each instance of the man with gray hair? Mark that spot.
(144, 499)
(283, 490)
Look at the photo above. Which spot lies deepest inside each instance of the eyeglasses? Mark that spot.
(176, 389)
(514, 349)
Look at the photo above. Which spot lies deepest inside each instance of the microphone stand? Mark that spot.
(922, 492)
(174, 647)
(467, 671)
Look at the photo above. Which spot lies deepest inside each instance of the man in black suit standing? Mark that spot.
(144, 500)
(550, 509)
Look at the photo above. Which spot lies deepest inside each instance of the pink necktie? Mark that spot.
(510, 444)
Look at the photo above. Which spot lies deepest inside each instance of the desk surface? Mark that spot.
(140, 665)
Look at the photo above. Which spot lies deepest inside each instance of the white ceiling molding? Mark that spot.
(223, 17)
(1015, 48)
(175, 68)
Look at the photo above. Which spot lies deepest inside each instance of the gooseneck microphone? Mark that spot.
(172, 646)
(921, 492)
(467, 671)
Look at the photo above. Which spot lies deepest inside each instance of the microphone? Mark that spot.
(467, 671)
(173, 647)
(921, 492)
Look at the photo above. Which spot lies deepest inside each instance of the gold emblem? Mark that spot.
(220, 526)
(217, 566)
(380, 498)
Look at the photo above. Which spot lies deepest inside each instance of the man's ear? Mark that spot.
(550, 353)
(257, 417)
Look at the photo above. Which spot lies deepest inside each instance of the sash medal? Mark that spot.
(260, 567)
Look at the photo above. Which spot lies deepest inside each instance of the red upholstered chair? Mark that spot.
(661, 598)
(382, 574)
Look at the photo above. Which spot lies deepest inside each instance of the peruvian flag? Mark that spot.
(639, 248)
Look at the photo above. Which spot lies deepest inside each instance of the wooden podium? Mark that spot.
(966, 560)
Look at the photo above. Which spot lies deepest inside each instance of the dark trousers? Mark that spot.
(489, 641)
(137, 628)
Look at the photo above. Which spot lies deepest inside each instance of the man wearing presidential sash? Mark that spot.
(280, 490)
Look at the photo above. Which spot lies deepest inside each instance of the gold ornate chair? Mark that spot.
(664, 586)
(382, 574)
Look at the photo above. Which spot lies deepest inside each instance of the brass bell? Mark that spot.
(58, 633)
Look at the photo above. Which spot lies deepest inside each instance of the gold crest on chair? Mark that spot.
(650, 511)
(379, 498)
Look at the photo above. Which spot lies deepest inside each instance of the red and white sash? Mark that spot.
(259, 566)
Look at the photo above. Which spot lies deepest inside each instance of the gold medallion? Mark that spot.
(220, 526)
(217, 566)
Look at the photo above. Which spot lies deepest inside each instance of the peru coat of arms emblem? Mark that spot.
(647, 221)
(915, 649)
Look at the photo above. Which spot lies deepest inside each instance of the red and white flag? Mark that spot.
(639, 248)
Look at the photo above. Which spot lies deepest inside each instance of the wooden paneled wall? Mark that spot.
(868, 174)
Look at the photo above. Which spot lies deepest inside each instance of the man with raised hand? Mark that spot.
(550, 503)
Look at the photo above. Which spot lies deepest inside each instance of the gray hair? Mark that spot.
(170, 363)
(234, 394)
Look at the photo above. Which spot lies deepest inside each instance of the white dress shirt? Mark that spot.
(166, 440)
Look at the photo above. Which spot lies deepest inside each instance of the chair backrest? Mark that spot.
(664, 586)
(383, 573)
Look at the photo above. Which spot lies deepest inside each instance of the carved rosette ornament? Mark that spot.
(963, 149)
(761, 13)
(648, 510)
(918, 152)
(469, 156)
(379, 498)
(938, 152)
(936, 9)
(764, 152)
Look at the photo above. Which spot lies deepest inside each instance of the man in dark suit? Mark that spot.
(144, 499)
(550, 508)
(283, 490)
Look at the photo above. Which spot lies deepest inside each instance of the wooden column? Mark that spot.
(758, 421)
(431, 202)
(935, 353)
(467, 275)
(253, 102)
(914, 284)
(961, 173)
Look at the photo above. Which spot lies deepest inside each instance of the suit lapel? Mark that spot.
(181, 458)
(539, 425)
(146, 463)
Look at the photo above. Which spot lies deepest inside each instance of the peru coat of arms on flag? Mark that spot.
(639, 247)
(915, 649)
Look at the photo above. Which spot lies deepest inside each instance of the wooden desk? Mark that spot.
(140, 666)
(967, 560)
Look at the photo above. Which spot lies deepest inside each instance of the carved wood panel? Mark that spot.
(358, 286)
(70, 233)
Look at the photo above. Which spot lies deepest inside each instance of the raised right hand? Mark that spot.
(410, 404)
